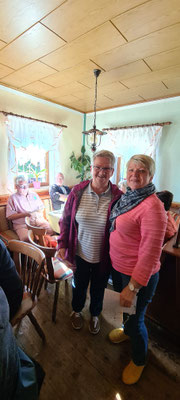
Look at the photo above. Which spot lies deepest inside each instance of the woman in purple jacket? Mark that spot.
(84, 234)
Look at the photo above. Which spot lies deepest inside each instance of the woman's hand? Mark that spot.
(127, 297)
(61, 253)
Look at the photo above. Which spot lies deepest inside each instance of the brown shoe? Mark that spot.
(76, 320)
(94, 325)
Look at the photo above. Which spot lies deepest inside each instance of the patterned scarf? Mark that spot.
(130, 200)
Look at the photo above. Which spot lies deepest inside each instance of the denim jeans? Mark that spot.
(85, 273)
(134, 325)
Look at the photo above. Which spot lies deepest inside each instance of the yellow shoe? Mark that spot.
(118, 335)
(132, 373)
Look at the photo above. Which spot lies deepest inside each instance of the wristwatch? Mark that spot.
(132, 288)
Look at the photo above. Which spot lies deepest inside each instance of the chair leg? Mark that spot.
(40, 286)
(56, 295)
(36, 325)
(45, 284)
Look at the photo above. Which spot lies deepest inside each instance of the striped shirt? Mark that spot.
(91, 217)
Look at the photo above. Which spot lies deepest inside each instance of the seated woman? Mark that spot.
(172, 225)
(59, 192)
(23, 204)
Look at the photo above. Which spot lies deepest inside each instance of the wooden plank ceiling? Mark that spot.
(49, 48)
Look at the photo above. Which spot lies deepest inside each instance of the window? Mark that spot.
(33, 163)
(126, 142)
(118, 170)
(32, 144)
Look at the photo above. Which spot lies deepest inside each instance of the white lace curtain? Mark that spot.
(23, 132)
(125, 143)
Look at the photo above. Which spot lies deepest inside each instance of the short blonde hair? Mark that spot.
(105, 153)
(146, 160)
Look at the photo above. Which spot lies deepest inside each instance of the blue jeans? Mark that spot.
(134, 325)
(85, 273)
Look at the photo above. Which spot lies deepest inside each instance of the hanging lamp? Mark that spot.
(94, 135)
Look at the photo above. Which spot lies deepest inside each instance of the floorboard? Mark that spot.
(82, 366)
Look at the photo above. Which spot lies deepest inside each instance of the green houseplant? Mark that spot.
(82, 164)
(36, 174)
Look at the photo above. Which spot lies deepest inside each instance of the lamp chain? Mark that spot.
(95, 100)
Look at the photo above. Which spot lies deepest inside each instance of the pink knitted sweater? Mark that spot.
(136, 243)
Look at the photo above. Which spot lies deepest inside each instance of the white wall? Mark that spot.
(168, 161)
(71, 139)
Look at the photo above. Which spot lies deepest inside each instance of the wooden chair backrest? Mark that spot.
(177, 242)
(29, 261)
(48, 251)
(37, 230)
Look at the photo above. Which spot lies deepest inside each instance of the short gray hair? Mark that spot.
(146, 160)
(105, 153)
(19, 178)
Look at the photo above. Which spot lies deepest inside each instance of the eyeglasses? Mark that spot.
(22, 186)
(104, 169)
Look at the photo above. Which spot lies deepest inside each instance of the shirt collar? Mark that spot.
(90, 189)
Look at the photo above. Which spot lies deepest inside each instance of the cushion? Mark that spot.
(61, 271)
(176, 217)
(50, 241)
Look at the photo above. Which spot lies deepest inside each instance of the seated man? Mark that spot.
(23, 204)
(10, 281)
(20, 378)
(59, 192)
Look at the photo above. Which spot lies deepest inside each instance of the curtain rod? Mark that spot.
(137, 126)
(34, 119)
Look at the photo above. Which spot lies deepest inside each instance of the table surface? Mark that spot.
(53, 218)
(56, 212)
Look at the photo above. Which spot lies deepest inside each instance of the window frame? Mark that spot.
(46, 182)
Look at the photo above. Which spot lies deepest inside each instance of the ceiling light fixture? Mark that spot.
(94, 134)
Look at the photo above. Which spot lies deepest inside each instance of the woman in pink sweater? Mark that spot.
(138, 224)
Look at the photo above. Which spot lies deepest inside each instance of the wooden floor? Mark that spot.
(82, 366)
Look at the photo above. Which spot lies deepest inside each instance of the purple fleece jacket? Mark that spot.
(68, 225)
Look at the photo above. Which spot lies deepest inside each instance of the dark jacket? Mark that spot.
(68, 225)
(9, 280)
(54, 192)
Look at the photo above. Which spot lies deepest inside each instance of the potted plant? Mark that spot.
(36, 174)
(82, 164)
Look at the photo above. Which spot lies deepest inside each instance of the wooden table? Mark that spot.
(173, 251)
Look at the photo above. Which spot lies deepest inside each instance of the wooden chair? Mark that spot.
(177, 242)
(48, 272)
(29, 261)
(38, 231)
